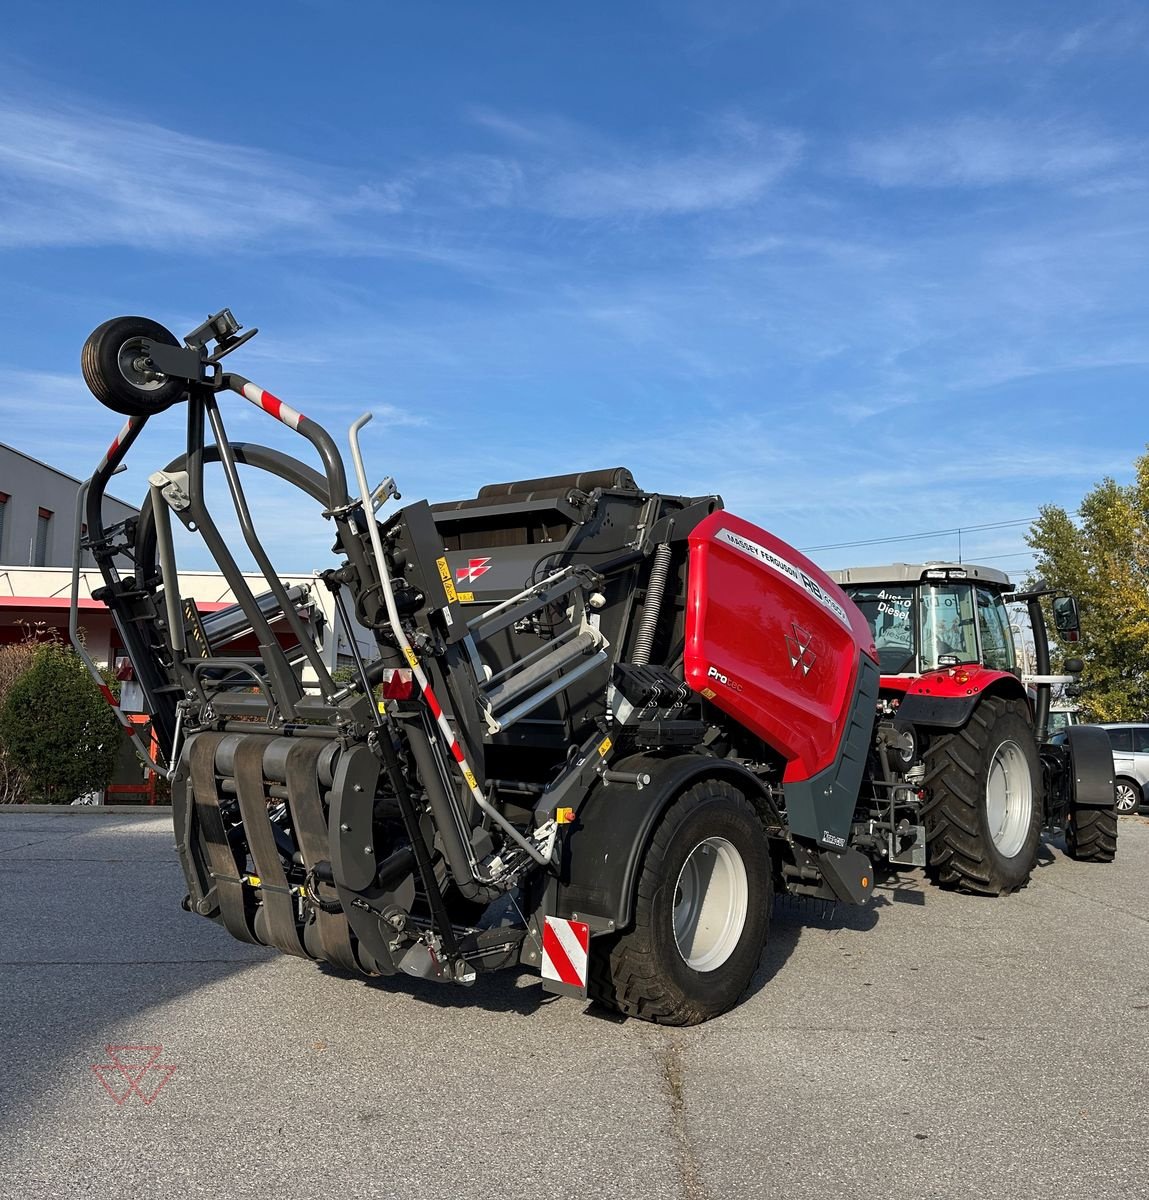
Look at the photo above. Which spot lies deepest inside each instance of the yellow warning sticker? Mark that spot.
(448, 582)
(604, 747)
(469, 776)
(466, 597)
(709, 694)
(410, 655)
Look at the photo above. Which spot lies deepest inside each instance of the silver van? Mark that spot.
(1130, 763)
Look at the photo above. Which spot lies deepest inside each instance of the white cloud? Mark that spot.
(1113, 35)
(570, 171)
(685, 184)
(78, 178)
(979, 152)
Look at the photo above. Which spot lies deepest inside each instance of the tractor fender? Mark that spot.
(603, 850)
(1091, 775)
(946, 699)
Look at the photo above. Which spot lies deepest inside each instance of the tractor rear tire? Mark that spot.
(116, 369)
(1091, 834)
(983, 818)
(702, 912)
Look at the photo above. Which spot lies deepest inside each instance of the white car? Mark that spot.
(1130, 763)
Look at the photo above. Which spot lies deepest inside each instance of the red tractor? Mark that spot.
(986, 784)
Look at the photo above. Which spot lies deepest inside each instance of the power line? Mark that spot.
(914, 537)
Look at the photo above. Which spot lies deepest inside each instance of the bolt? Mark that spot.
(357, 788)
(345, 828)
(368, 849)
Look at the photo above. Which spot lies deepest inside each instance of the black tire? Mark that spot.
(643, 972)
(111, 363)
(1128, 796)
(965, 849)
(1091, 834)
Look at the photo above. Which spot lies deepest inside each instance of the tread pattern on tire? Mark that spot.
(624, 972)
(102, 377)
(959, 853)
(1091, 834)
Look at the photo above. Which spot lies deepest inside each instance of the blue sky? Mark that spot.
(864, 269)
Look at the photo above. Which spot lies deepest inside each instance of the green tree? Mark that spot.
(1103, 559)
(57, 728)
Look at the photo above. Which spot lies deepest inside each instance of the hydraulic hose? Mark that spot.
(446, 822)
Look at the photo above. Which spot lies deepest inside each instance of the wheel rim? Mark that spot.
(132, 361)
(711, 897)
(1009, 798)
(1126, 798)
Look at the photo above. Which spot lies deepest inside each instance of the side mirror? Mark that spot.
(1066, 619)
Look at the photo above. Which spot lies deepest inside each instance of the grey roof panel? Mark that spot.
(912, 572)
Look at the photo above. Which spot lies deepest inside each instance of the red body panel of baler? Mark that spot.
(772, 641)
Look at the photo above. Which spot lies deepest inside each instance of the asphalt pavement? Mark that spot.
(932, 1045)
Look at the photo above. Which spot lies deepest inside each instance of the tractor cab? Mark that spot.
(930, 615)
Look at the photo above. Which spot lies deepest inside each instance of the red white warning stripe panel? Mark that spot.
(273, 404)
(566, 945)
(129, 425)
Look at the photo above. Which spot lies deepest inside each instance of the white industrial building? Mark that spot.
(37, 531)
(38, 512)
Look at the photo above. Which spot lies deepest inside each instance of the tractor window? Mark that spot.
(889, 611)
(948, 625)
(993, 622)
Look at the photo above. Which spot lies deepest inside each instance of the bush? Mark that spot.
(14, 661)
(57, 729)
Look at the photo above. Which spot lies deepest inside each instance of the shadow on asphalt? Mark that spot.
(496, 991)
(74, 982)
(70, 1029)
(502, 991)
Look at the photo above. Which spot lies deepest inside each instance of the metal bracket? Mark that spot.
(179, 362)
(174, 488)
(545, 836)
(222, 329)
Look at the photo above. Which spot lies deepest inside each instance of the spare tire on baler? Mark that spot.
(120, 374)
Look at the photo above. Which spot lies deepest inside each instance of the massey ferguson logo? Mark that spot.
(474, 568)
(799, 646)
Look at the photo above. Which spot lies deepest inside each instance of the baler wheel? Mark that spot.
(1091, 834)
(701, 915)
(117, 371)
(983, 820)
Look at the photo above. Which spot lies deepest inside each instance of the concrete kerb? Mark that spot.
(84, 810)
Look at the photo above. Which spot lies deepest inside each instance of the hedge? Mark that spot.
(56, 728)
